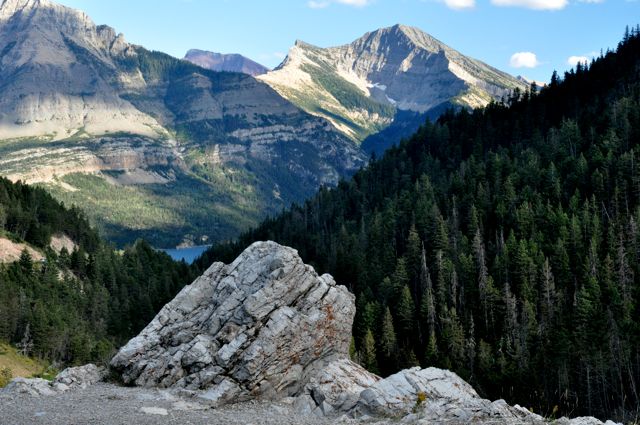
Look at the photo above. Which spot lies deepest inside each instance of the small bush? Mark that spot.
(5, 376)
(422, 397)
(49, 373)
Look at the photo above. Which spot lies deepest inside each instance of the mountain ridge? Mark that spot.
(358, 86)
(232, 62)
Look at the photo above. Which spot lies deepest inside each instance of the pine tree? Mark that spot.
(368, 353)
(483, 275)
(406, 315)
(387, 344)
(414, 253)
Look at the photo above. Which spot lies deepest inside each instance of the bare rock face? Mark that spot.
(336, 388)
(260, 326)
(412, 396)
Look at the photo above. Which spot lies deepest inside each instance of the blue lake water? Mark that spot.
(189, 254)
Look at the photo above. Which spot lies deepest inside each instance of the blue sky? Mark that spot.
(523, 37)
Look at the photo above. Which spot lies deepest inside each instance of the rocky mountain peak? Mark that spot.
(362, 86)
(399, 35)
(44, 26)
(304, 45)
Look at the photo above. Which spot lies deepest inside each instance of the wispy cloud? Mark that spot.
(273, 56)
(321, 4)
(533, 4)
(524, 60)
(460, 4)
(584, 58)
(574, 60)
(317, 4)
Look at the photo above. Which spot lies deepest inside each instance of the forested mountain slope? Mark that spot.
(502, 243)
(75, 307)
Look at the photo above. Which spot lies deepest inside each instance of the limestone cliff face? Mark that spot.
(400, 67)
(56, 68)
(225, 62)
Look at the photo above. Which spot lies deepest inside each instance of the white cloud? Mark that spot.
(357, 3)
(524, 60)
(317, 4)
(460, 4)
(574, 60)
(321, 4)
(533, 4)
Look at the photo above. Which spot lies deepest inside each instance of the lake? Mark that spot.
(189, 254)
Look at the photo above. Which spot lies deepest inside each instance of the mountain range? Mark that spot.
(150, 145)
(157, 147)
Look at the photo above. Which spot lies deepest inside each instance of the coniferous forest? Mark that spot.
(75, 307)
(502, 243)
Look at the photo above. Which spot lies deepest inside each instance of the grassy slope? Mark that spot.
(19, 365)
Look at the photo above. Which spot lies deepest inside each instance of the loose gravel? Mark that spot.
(108, 404)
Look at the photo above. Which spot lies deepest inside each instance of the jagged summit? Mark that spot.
(409, 34)
(304, 45)
(11, 6)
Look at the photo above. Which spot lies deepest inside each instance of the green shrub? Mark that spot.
(5, 376)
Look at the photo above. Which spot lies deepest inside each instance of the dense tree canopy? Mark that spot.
(502, 243)
(75, 307)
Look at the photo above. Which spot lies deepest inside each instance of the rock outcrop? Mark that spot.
(261, 326)
(435, 395)
(415, 396)
(69, 379)
(336, 388)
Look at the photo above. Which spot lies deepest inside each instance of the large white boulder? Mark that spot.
(259, 326)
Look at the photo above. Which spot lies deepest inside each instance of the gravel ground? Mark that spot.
(107, 404)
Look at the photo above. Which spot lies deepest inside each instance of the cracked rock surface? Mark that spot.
(258, 327)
